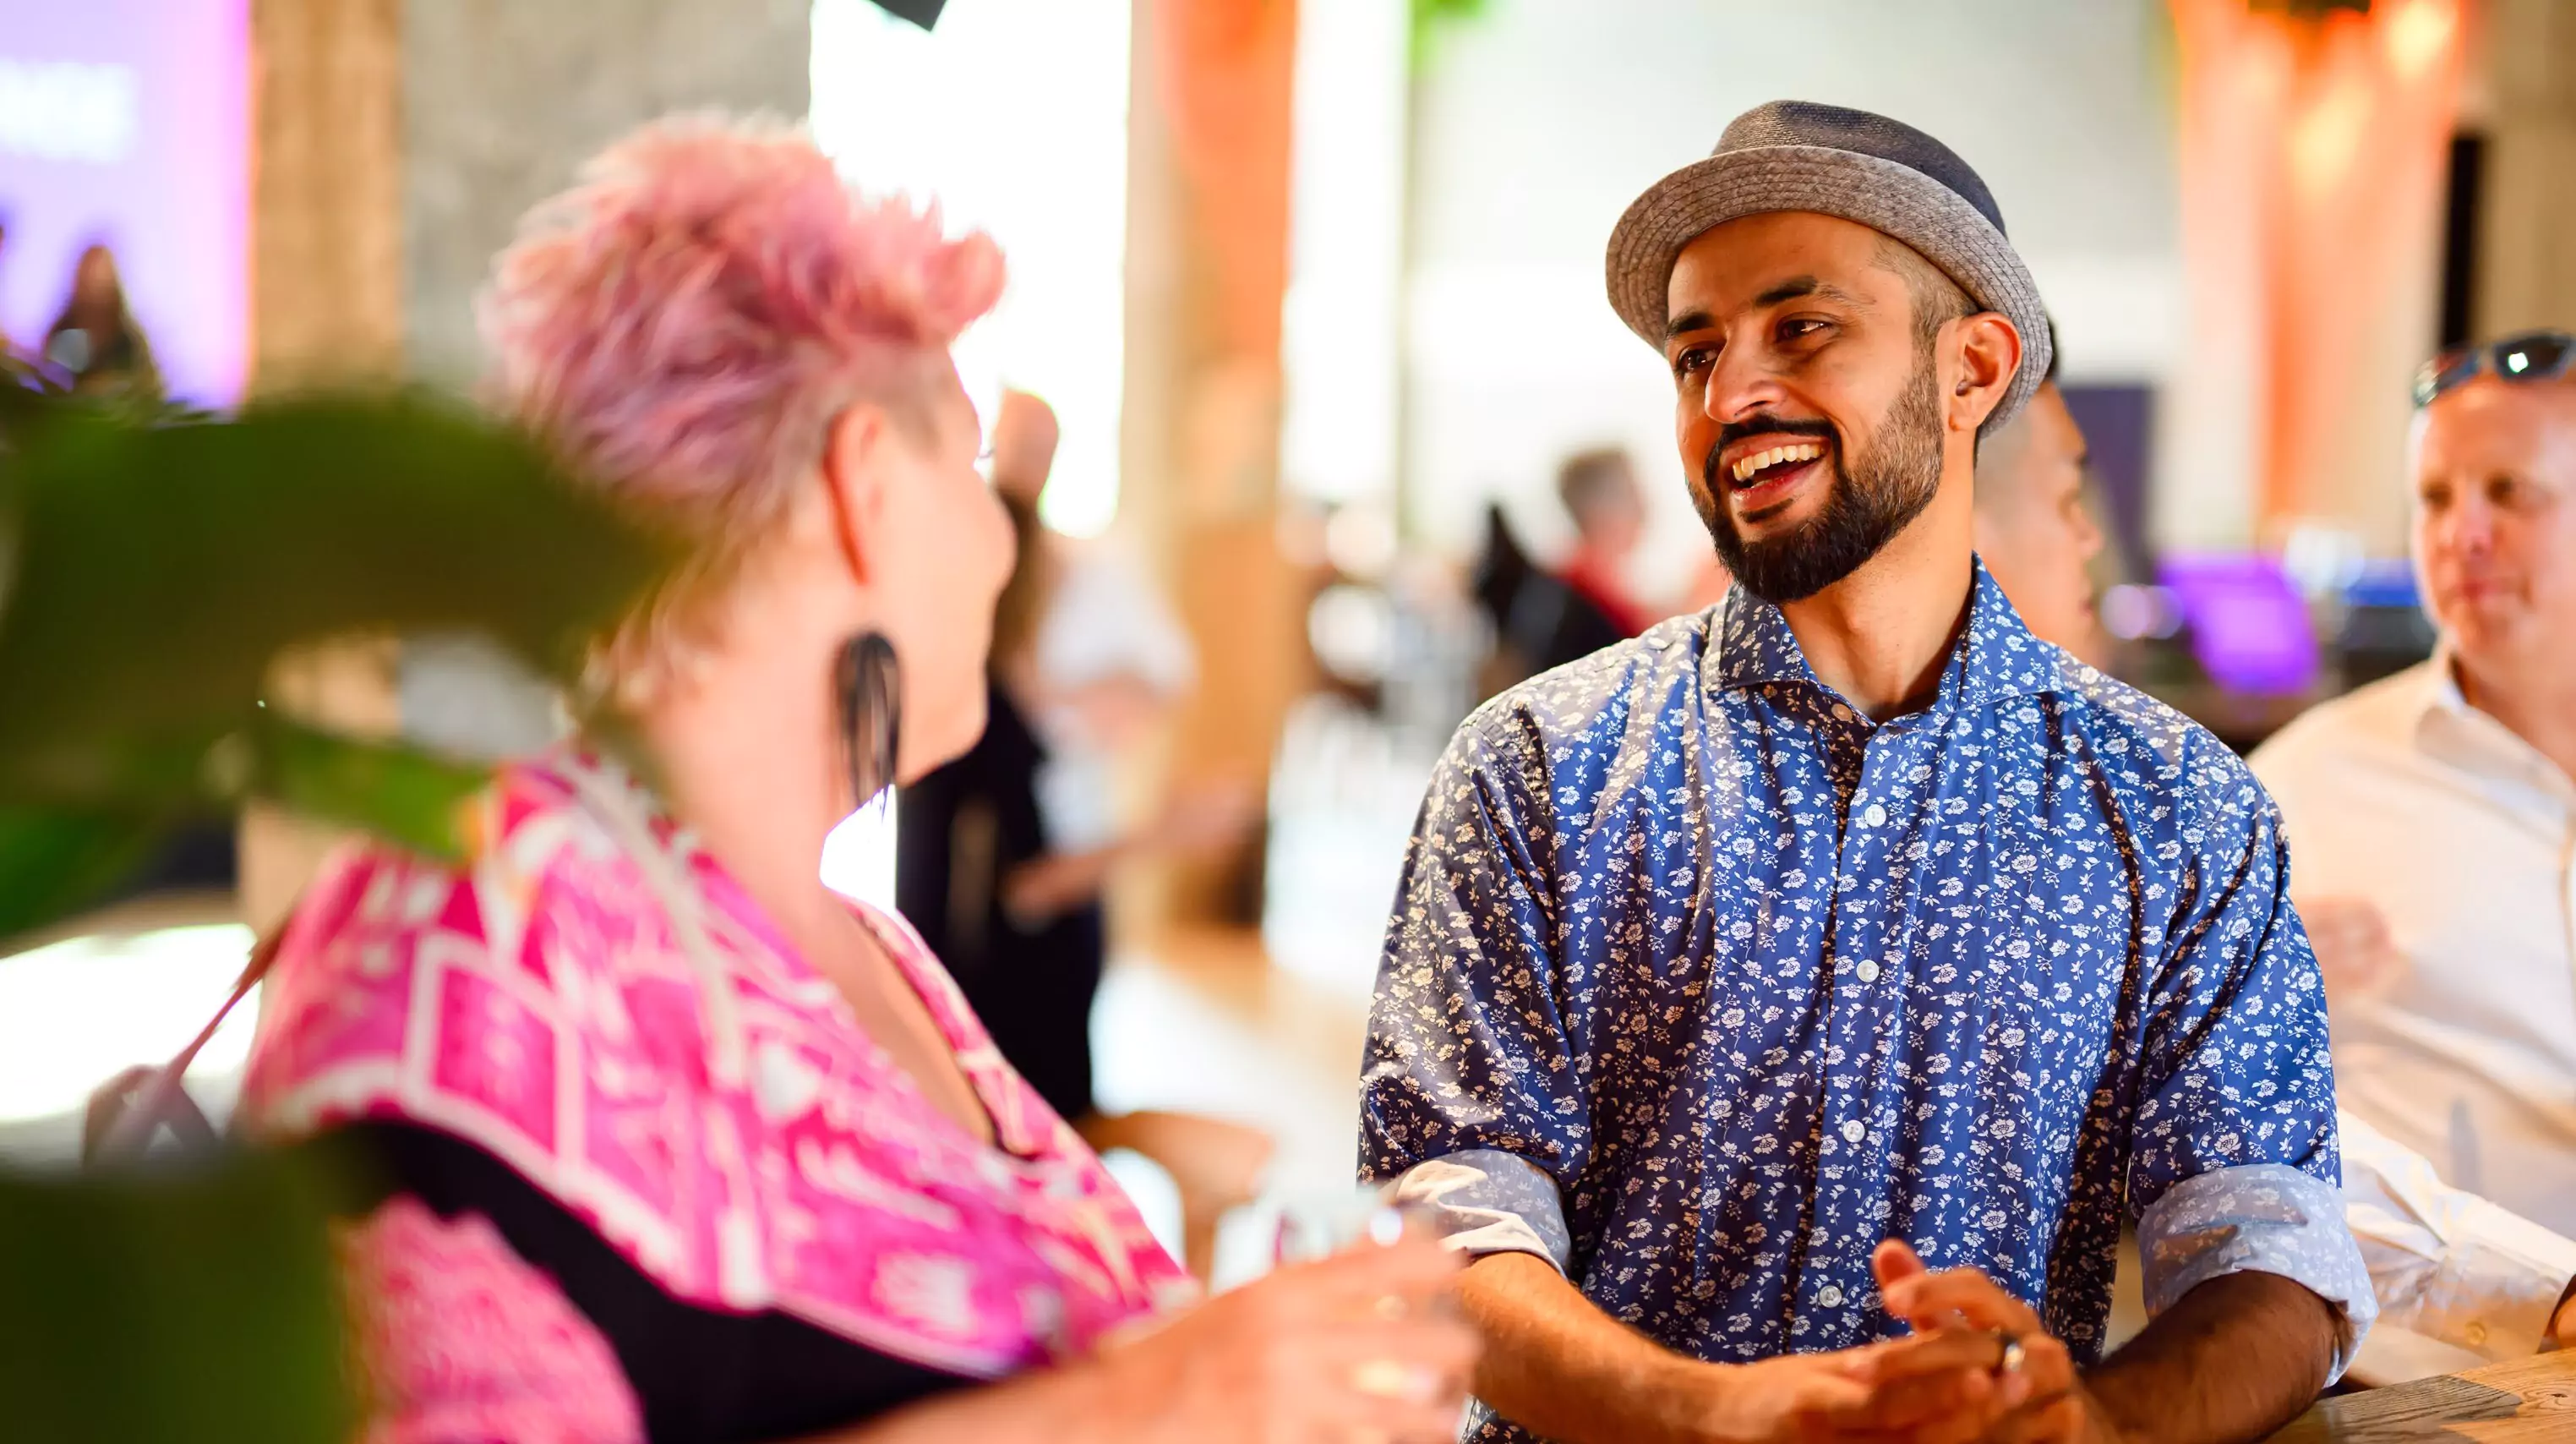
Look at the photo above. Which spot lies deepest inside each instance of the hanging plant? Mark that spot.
(1431, 18)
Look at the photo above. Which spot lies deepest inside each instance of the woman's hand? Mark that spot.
(1359, 1347)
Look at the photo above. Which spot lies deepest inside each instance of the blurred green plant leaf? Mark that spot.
(154, 572)
(1431, 17)
(401, 794)
(54, 863)
(154, 566)
(196, 1304)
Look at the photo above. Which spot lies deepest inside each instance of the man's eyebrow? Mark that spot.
(1789, 290)
(1798, 286)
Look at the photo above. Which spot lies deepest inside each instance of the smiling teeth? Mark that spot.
(1745, 468)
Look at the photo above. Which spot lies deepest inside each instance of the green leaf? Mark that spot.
(401, 794)
(158, 570)
(198, 1306)
(55, 863)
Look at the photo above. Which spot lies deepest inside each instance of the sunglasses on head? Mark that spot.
(2530, 356)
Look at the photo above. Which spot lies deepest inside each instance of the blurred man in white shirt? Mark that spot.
(2448, 1266)
(2432, 816)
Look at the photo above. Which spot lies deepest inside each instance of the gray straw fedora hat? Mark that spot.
(1795, 155)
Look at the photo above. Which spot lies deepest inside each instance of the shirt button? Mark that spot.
(1842, 713)
(1876, 816)
(1868, 970)
(1829, 1297)
(2476, 1334)
(1854, 1131)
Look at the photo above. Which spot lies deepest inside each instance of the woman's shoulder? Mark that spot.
(395, 968)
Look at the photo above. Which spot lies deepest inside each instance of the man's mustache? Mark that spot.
(1735, 431)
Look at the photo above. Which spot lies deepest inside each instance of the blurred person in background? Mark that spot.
(669, 1140)
(2445, 1264)
(1600, 493)
(95, 340)
(8, 350)
(1544, 619)
(1745, 975)
(2034, 529)
(2433, 813)
(1003, 858)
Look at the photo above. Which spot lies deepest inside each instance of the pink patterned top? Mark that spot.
(754, 1150)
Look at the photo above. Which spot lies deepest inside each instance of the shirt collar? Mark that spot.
(1998, 658)
(2447, 722)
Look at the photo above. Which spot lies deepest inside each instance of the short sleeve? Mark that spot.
(2233, 1165)
(1471, 1097)
(2234, 1066)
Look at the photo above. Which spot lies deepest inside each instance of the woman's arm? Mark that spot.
(1358, 1346)
(1201, 818)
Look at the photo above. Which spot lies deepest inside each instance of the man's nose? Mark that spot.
(1739, 385)
(2471, 526)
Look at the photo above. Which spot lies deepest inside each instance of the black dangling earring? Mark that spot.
(869, 684)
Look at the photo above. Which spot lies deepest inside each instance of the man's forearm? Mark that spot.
(1555, 1363)
(2235, 1358)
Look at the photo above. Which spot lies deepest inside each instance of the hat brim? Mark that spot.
(1893, 199)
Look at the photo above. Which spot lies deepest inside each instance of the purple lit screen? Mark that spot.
(128, 122)
(2250, 629)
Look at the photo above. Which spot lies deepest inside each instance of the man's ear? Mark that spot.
(1989, 354)
(854, 482)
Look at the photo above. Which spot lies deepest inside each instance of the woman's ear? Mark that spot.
(1989, 355)
(854, 467)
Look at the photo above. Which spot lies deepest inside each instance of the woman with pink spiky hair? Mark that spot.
(673, 1142)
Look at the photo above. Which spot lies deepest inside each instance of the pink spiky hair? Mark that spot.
(686, 321)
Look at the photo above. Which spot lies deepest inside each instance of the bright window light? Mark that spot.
(77, 1013)
(1013, 114)
(1338, 429)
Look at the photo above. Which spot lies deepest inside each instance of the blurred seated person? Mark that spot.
(667, 1140)
(1543, 618)
(2034, 530)
(2433, 814)
(95, 340)
(1003, 855)
(1600, 492)
(2446, 1264)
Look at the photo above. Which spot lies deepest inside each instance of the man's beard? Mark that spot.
(1861, 514)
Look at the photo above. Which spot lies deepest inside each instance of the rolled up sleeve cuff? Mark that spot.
(1484, 1201)
(2261, 1218)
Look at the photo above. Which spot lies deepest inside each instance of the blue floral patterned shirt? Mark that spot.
(1701, 984)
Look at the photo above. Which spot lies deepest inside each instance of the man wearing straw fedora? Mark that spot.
(1791, 1006)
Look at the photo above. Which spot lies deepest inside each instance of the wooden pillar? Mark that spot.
(327, 207)
(1207, 271)
(326, 308)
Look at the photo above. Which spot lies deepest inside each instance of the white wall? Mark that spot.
(1012, 115)
(1541, 120)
